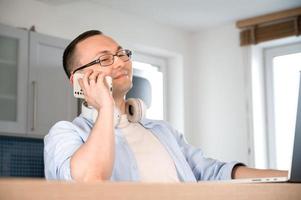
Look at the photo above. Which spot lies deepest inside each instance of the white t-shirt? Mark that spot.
(153, 160)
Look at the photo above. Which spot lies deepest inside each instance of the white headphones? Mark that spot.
(134, 108)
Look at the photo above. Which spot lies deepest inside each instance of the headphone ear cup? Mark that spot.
(135, 109)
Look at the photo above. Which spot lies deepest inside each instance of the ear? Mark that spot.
(71, 80)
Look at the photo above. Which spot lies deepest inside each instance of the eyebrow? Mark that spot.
(106, 51)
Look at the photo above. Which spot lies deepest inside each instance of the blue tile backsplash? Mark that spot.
(21, 157)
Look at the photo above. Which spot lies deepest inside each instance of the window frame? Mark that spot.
(254, 73)
(159, 62)
(269, 55)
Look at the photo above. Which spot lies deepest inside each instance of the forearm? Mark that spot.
(245, 172)
(94, 159)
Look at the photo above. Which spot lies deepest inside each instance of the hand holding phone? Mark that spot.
(78, 92)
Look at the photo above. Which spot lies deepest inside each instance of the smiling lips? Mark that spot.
(120, 75)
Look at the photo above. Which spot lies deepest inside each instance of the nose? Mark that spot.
(118, 63)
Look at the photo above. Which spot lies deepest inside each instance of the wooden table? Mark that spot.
(31, 189)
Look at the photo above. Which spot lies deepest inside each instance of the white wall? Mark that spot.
(218, 118)
(206, 77)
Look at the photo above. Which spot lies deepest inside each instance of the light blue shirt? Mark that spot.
(64, 138)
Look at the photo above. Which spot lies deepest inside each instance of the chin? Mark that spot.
(122, 88)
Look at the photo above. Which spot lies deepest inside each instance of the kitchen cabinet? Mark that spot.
(13, 79)
(50, 96)
(34, 90)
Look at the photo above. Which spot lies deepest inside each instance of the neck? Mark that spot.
(120, 104)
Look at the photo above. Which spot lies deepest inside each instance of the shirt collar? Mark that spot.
(147, 123)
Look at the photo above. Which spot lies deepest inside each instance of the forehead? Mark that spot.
(95, 45)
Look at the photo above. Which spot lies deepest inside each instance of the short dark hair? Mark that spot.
(68, 56)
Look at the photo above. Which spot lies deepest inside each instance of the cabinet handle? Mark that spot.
(34, 116)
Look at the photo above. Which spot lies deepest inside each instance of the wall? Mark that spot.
(217, 113)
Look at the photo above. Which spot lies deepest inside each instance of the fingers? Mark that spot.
(100, 78)
(86, 78)
(95, 88)
(92, 78)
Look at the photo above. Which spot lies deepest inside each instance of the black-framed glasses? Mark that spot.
(108, 59)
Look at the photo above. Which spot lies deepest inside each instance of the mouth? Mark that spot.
(121, 75)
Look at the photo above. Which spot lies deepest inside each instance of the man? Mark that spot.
(149, 151)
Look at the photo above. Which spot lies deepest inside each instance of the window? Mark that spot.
(282, 74)
(148, 84)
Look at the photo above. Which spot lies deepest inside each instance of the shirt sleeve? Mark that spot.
(59, 145)
(202, 167)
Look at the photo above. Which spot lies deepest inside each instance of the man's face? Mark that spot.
(92, 48)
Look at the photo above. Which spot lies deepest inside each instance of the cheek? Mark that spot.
(107, 70)
(130, 68)
(95, 68)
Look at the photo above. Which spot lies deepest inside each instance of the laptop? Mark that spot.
(294, 173)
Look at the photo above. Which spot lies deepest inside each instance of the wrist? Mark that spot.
(106, 108)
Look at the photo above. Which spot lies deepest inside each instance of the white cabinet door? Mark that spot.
(13, 79)
(50, 96)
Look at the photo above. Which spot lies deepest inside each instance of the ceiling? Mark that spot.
(191, 15)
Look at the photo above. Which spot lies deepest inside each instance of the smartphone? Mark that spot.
(79, 93)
